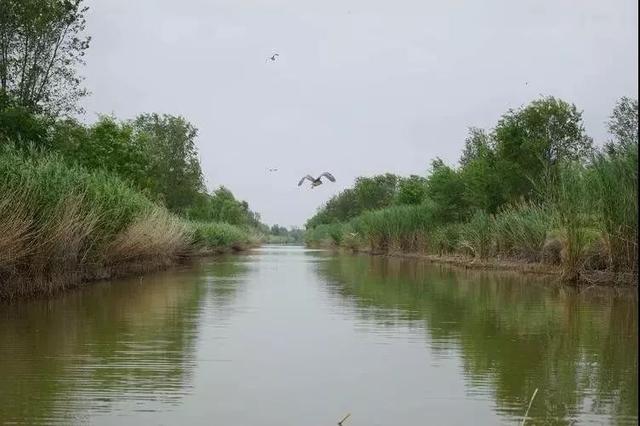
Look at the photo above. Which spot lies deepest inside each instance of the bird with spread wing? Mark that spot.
(317, 181)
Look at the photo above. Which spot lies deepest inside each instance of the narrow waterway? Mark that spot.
(290, 336)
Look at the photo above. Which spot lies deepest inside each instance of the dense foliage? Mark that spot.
(533, 188)
(84, 201)
(41, 44)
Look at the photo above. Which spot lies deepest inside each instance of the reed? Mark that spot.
(61, 225)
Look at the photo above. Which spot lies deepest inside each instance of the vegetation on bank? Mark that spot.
(534, 189)
(61, 225)
(81, 202)
(281, 235)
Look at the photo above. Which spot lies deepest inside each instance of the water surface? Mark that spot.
(286, 336)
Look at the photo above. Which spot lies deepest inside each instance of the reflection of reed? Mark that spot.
(514, 333)
(108, 344)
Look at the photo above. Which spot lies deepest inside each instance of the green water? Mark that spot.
(288, 336)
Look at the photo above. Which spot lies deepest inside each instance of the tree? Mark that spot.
(222, 206)
(41, 44)
(278, 230)
(475, 145)
(107, 144)
(478, 171)
(532, 141)
(375, 192)
(21, 127)
(174, 167)
(446, 189)
(411, 190)
(623, 123)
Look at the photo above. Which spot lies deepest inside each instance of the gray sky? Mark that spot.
(361, 86)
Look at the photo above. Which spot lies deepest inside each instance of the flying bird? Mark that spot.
(317, 181)
(272, 58)
(273, 170)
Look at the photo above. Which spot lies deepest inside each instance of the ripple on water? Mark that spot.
(287, 333)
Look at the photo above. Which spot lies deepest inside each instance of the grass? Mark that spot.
(62, 225)
(476, 236)
(613, 190)
(209, 236)
(521, 231)
(586, 222)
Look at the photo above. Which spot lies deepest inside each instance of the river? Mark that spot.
(290, 336)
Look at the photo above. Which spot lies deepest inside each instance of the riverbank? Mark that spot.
(134, 345)
(534, 189)
(62, 226)
(585, 277)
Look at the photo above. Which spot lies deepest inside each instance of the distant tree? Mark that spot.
(532, 141)
(296, 235)
(368, 193)
(41, 44)
(446, 189)
(20, 126)
(222, 206)
(174, 167)
(411, 190)
(278, 230)
(375, 192)
(623, 123)
(343, 206)
(478, 171)
(107, 144)
(226, 208)
(476, 144)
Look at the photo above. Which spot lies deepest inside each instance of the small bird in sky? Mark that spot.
(273, 170)
(272, 58)
(317, 181)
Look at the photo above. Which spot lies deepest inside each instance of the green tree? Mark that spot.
(411, 190)
(532, 141)
(623, 124)
(222, 206)
(482, 183)
(279, 230)
(20, 126)
(477, 143)
(107, 145)
(375, 192)
(446, 189)
(174, 167)
(41, 44)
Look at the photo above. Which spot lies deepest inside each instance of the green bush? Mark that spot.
(209, 235)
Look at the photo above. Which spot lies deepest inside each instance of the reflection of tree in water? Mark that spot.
(512, 332)
(223, 277)
(131, 342)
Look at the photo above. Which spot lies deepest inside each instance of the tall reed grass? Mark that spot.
(613, 189)
(585, 220)
(62, 225)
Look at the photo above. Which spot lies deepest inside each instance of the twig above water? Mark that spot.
(524, 419)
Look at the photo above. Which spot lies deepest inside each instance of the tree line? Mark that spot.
(42, 45)
(534, 188)
(519, 160)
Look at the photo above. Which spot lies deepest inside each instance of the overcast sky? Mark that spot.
(360, 87)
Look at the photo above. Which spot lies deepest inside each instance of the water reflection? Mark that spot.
(513, 334)
(125, 346)
(290, 336)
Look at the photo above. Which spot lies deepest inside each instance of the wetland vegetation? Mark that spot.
(85, 201)
(533, 190)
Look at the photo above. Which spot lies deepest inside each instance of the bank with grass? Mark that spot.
(513, 202)
(61, 226)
